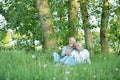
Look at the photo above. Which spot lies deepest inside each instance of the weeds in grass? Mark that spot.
(21, 65)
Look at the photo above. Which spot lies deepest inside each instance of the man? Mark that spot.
(80, 55)
(66, 51)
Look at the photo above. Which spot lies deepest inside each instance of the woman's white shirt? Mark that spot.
(81, 57)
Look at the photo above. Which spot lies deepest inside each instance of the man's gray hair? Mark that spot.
(72, 38)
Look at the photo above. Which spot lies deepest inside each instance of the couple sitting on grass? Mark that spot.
(72, 54)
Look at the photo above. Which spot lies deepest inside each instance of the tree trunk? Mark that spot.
(49, 40)
(73, 18)
(86, 25)
(104, 27)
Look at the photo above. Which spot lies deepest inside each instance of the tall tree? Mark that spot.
(49, 40)
(86, 25)
(104, 27)
(73, 17)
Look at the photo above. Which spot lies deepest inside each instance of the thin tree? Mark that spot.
(104, 27)
(49, 40)
(73, 17)
(86, 26)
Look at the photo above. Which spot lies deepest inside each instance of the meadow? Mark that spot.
(24, 65)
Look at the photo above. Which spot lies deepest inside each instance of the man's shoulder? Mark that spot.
(64, 47)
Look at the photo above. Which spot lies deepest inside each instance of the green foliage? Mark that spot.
(59, 11)
(62, 26)
(22, 18)
(22, 65)
(2, 35)
(96, 42)
(115, 31)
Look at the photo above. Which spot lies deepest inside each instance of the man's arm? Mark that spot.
(63, 51)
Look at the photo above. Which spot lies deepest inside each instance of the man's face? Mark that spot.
(78, 46)
(71, 42)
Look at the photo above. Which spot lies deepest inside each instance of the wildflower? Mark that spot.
(104, 58)
(66, 78)
(67, 72)
(45, 65)
(85, 68)
(54, 13)
(7, 78)
(54, 78)
(94, 76)
(33, 56)
(116, 69)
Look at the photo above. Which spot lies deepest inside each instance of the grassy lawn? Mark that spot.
(22, 65)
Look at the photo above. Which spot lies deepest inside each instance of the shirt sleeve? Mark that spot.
(88, 56)
(63, 51)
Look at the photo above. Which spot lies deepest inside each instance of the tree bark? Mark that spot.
(49, 40)
(104, 27)
(73, 18)
(86, 25)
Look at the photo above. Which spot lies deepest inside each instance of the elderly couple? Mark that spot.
(72, 54)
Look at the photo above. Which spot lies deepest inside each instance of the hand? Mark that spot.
(68, 54)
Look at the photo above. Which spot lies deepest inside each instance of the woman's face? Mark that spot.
(79, 46)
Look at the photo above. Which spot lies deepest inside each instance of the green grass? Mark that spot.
(22, 65)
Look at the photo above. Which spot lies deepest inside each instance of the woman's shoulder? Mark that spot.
(85, 51)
